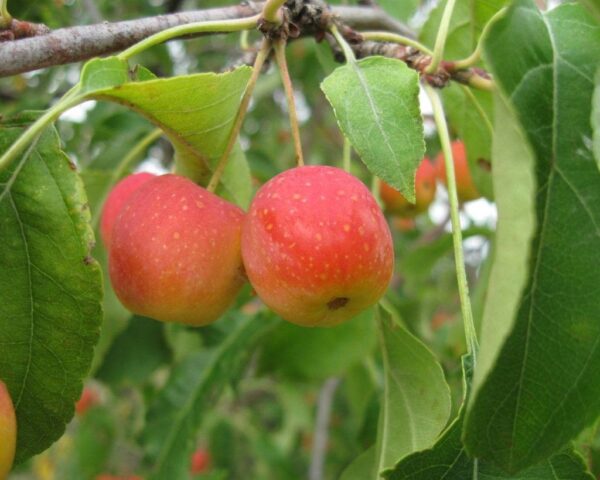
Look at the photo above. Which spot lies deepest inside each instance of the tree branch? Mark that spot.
(68, 45)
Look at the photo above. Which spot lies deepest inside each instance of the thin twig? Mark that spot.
(239, 119)
(319, 448)
(79, 43)
(279, 46)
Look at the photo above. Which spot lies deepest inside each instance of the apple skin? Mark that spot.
(316, 246)
(425, 186)
(200, 462)
(8, 432)
(117, 197)
(175, 252)
(465, 187)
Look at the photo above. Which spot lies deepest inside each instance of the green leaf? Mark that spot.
(596, 118)
(137, 352)
(197, 113)
(319, 353)
(514, 164)
(448, 460)
(101, 73)
(50, 312)
(194, 386)
(362, 467)
(376, 103)
(416, 402)
(538, 388)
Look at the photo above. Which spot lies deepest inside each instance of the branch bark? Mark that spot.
(68, 45)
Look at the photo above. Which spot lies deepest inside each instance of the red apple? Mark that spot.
(425, 186)
(117, 197)
(89, 398)
(175, 252)
(200, 461)
(465, 187)
(316, 246)
(8, 431)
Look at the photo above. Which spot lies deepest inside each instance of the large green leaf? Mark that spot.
(416, 401)
(448, 460)
(176, 414)
(319, 353)
(195, 111)
(514, 162)
(50, 312)
(542, 388)
(376, 103)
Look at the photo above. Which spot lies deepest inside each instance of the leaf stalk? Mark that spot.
(440, 41)
(461, 275)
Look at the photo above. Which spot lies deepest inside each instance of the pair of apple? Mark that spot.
(314, 245)
(425, 184)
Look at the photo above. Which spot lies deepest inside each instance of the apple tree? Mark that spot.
(291, 239)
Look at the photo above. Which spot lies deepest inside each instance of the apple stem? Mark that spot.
(461, 275)
(262, 55)
(124, 166)
(235, 25)
(440, 41)
(279, 47)
(347, 155)
(395, 38)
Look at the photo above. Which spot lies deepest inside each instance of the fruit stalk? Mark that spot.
(279, 46)
(263, 53)
(461, 275)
